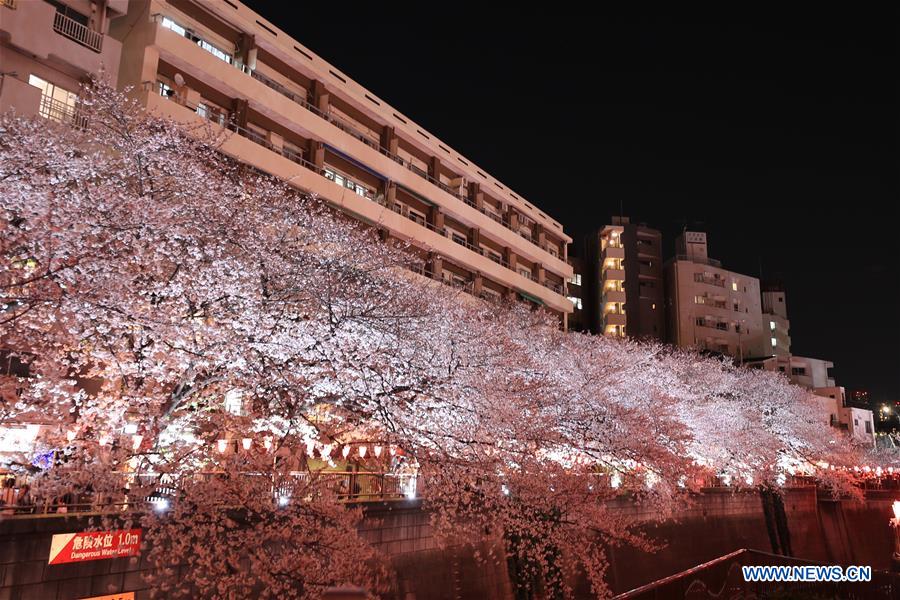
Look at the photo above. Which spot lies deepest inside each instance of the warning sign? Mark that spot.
(94, 545)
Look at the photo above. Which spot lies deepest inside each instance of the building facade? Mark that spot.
(297, 117)
(623, 274)
(48, 49)
(709, 307)
(776, 338)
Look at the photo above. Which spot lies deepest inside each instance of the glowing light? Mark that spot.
(346, 451)
(377, 451)
(615, 481)
(896, 508)
(283, 500)
(223, 444)
(70, 435)
(267, 442)
(504, 489)
(326, 451)
(246, 442)
(136, 440)
(103, 440)
(362, 451)
(393, 451)
(161, 505)
(130, 428)
(310, 448)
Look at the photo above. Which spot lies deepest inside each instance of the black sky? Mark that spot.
(776, 132)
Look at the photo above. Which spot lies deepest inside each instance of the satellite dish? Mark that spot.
(179, 80)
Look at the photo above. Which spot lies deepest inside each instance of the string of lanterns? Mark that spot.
(313, 446)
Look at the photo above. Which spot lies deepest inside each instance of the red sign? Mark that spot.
(94, 545)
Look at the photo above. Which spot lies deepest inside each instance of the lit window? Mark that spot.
(170, 24)
(734, 286)
(774, 342)
(57, 104)
(772, 325)
(576, 301)
(653, 306)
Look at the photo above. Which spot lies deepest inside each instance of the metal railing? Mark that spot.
(11, 4)
(701, 278)
(77, 32)
(260, 139)
(143, 491)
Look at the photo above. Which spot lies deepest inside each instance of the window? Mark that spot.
(700, 322)
(459, 239)
(774, 342)
(526, 273)
(653, 306)
(57, 104)
(868, 426)
(575, 279)
(771, 325)
(781, 369)
(801, 371)
(734, 286)
(576, 301)
(416, 216)
(184, 32)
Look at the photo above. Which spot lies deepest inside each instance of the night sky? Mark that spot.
(776, 133)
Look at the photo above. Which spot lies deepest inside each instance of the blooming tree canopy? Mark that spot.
(147, 281)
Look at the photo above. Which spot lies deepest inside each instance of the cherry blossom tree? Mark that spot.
(249, 332)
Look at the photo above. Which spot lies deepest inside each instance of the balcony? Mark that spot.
(613, 296)
(716, 281)
(613, 274)
(77, 32)
(37, 29)
(484, 262)
(611, 251)
(180, 54)
(614, 319)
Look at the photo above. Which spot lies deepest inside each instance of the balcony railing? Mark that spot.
(260, 139)
(11, 4)
(77, 32)
(701, 278)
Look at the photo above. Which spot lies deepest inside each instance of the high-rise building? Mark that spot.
(709, 307)
(297, 117)
(623, 274)
(48, 48)
(777, 339)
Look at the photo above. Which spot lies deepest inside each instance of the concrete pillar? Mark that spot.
(512, 218)
(476, 195)
(475, 237)
(477, 284)
(390, 194)
(436, 266)
(319, 96)
(316, 153)
(540, 235)
(245, 44)
(239, 108)
(434, 168)
(389, 139)
(538, 273)
(436, 218)
(510, 257)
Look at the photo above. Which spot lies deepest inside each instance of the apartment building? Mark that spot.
(577, 291)
(709, 307)
(297, 117)
(48, 48)
(622, 269)
(777, 339)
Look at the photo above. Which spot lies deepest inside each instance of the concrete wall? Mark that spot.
(716, 523)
